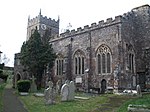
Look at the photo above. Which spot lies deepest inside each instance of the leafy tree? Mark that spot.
(36, 55)
(5, 59)
(2, 75)
(1, 68)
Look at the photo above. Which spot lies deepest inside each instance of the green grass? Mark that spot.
(2, 86)
(36, 104)
(105, 103)
(144, 100)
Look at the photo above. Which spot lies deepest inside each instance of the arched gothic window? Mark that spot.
(79, 61)
(103, 59)
(131, 58)
(131, 62)
(59, 65)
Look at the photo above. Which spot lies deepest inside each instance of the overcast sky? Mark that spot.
(14, 15)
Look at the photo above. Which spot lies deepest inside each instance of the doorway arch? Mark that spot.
(103, 86)
(18, 77)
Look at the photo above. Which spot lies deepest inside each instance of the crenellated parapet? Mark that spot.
(43, 20)
(93, 26)
(128, 16)
(140, 8)
(49, 21)
(33, 21)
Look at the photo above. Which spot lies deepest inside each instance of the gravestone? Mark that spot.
(1, 81)
(68, 91)
(67, 82)
(71, 91)
(33, 85)
(58, 86)
(138, 108)
(64, 92)
(139, 93)
(49, 94)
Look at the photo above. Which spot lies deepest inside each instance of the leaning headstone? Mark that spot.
(71, 95)
(49, 94)
(139, 93)
(33, 85)
(64, 92)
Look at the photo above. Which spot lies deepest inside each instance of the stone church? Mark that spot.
(108, 55)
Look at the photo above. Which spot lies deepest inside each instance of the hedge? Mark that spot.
(23, 85)
(4, 77)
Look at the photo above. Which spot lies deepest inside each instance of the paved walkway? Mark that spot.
(11, 102)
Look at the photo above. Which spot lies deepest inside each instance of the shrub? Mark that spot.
(23, 85)
(4, 77)
(2, 86)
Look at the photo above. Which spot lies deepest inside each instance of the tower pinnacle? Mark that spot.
(40, 12)
(29, 18)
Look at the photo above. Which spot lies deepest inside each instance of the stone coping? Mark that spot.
(82, 98)
(39, 94)
(138, 108)
(24, 93)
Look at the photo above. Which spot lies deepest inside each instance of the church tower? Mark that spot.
(42, 24)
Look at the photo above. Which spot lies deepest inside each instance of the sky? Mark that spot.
(14, 15)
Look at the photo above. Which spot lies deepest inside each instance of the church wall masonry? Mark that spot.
(102, 33)
(107, 54)
(123, 35)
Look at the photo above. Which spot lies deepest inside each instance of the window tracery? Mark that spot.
(103, 59)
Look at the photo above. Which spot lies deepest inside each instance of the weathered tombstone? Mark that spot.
(33, 85)
(67, 82)
(58, 87)
(49, 94)
(64, 92)
(1, 81)
(71, 91)
(139, 93)
(138, 108)
(46, 82)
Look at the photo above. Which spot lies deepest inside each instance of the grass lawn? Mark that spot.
(2, 86)
(144, 100)
(104, 103)
(36, 104)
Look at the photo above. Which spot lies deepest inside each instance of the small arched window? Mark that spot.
(59, 65)
(79, 60)
(131, 58)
